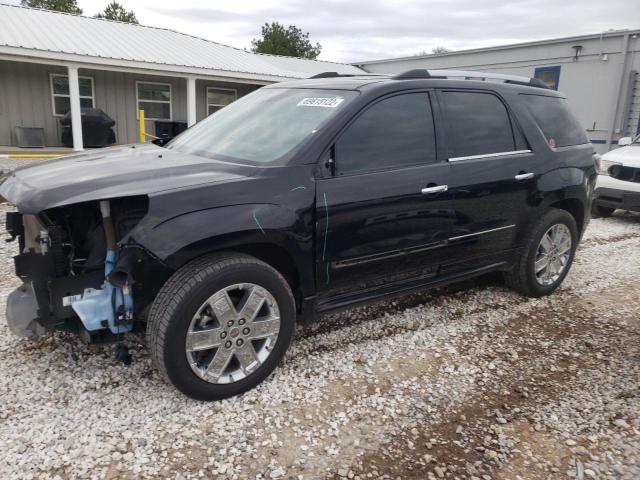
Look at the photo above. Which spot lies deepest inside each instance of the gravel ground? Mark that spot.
(468, 382)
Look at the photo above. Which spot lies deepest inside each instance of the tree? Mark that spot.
(68, 6)
(436, 50)
(115, 11)
(280, 41)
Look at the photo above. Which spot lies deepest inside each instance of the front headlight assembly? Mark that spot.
(610, 168)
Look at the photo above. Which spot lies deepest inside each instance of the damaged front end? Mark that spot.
(76, 275)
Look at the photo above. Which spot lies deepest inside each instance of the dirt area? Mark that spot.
(467, 382)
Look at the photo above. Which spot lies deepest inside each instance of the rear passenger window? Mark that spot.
(477, 124)
(395, 132)
(556, 121)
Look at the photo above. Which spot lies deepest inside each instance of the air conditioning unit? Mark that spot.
(30, 137)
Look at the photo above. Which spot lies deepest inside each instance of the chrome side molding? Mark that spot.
(489, 155)
(482, 232)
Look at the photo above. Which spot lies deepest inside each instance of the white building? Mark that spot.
(53, 62)
(598, 74)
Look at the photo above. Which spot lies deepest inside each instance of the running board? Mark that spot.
(350, 299)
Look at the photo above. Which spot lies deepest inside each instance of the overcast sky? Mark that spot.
(355, 30)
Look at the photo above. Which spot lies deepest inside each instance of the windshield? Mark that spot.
(636, 141)
(264, 126)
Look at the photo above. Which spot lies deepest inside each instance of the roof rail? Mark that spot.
(325, 75)
(415, 73)
(336, 74)
(471, 75)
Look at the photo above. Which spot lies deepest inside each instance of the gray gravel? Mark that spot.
(472, 381)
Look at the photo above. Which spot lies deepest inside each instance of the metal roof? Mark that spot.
(28, 32)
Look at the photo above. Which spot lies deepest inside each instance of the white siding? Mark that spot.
(590, 82)
(25, 99)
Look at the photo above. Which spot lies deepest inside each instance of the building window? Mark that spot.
(60, 97)
(155, 99)
(549, 75)
(219, 97)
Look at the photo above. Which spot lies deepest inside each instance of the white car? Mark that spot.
(618, 184)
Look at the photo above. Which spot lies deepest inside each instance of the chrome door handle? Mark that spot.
(524, 176)
(438, 189)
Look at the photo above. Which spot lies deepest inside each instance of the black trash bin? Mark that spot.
(97, 128)
(166, 130)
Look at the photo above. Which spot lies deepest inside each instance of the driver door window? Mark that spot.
(393, 133)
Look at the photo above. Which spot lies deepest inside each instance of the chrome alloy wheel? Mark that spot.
(232, 333)
(553, 254)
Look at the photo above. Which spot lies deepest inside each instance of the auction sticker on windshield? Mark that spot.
(328, 102)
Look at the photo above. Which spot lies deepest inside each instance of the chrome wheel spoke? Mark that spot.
(253, 304)
(218, 364)
(557, 265)
(546, 243)
(247, 357)
(203, 339)
(265, 328)
(542, 263)
(564, 246)
(223, 307)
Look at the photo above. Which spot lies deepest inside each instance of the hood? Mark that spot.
(111, 173)
(629, 156)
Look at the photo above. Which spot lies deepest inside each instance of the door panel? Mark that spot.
(489, 203)
(486, 154)
(377, 228)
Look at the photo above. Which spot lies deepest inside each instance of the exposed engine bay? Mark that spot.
(76, 274)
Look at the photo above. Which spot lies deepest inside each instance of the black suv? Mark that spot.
(298, 199)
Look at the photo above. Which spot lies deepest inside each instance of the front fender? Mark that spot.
(180, 239)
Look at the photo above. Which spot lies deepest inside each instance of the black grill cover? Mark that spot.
(96, 128)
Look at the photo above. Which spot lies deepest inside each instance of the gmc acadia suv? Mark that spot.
(298, 199)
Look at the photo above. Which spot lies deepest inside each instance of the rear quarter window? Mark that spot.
(554, 117)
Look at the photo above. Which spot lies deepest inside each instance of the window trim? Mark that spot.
(170, 101)
(206, 97)
(489, 155)
(54, 95)
(555, 69)
(434, 116)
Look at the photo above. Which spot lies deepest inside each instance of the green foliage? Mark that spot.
(115, 11)
(290, 41)
(68, 6)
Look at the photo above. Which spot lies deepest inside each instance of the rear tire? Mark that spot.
(543, 266)
(203, 323)
(598, 211)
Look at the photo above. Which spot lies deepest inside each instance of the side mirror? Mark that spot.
(624, 141)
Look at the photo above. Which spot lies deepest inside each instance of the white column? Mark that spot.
(191, 101)
(76, 118)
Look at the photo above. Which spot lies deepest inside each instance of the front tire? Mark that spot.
(220, 325)
(547, 255)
